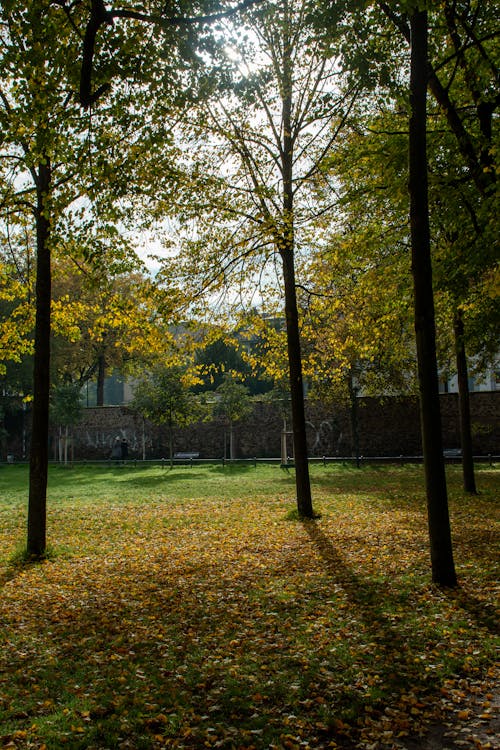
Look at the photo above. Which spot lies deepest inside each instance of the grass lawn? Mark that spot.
(189, 608)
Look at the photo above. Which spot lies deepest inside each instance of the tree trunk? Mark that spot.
(464, 406)
(101, 376)
(284, 449)
(353, 395)
(66, 439)
(39, 454)
(231, 441)
(171, 443)
(443, 569)
(303, 486)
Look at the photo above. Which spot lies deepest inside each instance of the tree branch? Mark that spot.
(99, 16)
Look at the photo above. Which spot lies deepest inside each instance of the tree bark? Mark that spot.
(39, 454)
(443, 569)
(469, 479)
(302, 481)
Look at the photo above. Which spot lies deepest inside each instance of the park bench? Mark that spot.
(186, 455)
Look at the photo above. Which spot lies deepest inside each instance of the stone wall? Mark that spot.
(387, 427)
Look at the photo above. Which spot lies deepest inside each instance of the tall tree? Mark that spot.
(464, 61)
(269, 132)
(357, 313)
(471, 60)
(104, 320)
(463, 81)
(50, 157)
(443, 569)
(41, 126)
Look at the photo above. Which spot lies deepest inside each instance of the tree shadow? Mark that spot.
(9, 574)
(368, 598)
(153, 631)
(166, 478)
(484, 613)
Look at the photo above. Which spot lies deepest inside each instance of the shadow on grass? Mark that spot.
(187, 648)
(167, 477)
(145, 663)
(147, 475)
(485, 614)
(15, 567)
(368, 596)
(9, 574)
(206, 477)
(19, 562)
(190, 650)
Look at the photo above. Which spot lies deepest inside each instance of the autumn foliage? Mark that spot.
(190, 608)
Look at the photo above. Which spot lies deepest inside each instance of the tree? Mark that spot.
(176, 29)
(463, 224)
(462, 78)
(465, 63)
(471, 56)
(40, 127)
(357, 304)
(232, 404)
(16, 318)
(51, 158)
(163, 397)
(66, 411)
(236, 352)
(443, 569)
(215, 359)
(269, 132)
(104, 321)
(356, 298)
(424, 321)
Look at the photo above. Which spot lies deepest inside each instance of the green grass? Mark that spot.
(192, 608)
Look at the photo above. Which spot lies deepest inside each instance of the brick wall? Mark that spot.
(387, 427)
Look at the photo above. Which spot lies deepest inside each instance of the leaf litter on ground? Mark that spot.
(216, 621)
